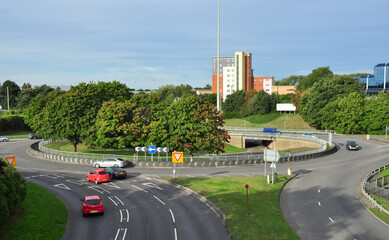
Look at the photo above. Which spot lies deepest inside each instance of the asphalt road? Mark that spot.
(320, 203)
(135, 208)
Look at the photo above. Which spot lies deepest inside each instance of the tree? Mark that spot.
(28, 93)
(350, 115)
(260, 103)
(13, 93)
(233, 104)
(290, 81)
(187, 125)
(376, 113)
(316, 75)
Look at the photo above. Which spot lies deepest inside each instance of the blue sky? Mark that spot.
(149, 43)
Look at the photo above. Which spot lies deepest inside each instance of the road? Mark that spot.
(135, 208)
(320, 203)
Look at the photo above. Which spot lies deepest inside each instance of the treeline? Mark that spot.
(12, 190)
(109, 115)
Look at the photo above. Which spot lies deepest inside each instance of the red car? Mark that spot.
(98, 176)
(92, 204)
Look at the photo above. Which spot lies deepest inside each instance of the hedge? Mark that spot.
(12, 123)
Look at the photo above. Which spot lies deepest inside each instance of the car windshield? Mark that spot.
(92, 202)
(353, 143)
(102, 172)
(117, 169)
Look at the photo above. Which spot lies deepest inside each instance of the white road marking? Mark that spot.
(102, 190)
(113, 201)
(153, 185)
(331, 219)
(74, 181)
(172, 215)
(139, 188)
(124, 233)
(121, 215)
(318, 191)
(175, 233)
(112, 184)
(319, 203)
(159, 199)
(61, 185)
(128, 216)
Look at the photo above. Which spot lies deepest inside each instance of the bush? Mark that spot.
(12, 123)
(12, 190)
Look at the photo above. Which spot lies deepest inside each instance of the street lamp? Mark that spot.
(218, 58)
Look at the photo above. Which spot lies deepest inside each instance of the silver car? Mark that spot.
(110, 162)
(4, 139)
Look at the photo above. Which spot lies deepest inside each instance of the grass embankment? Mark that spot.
(229, 194)
(67, 146)
(274, 119)
(41, 216)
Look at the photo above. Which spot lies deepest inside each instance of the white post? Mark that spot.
(218, 58)
(8, 98)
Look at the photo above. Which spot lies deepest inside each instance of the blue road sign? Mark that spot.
(152, 149)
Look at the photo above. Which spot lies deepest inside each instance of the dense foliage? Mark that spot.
(12, 190)
(109, 116)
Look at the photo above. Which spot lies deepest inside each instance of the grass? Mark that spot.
(82, 148)
(277, 120)
(15, 134)
(229, 194)
(384, 172)
(41, 216)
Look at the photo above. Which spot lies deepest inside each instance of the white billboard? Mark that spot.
(286, 107)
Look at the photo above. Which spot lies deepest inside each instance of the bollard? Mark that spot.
(289, 171)
(174, 173)
(268, 178)
(367, 137)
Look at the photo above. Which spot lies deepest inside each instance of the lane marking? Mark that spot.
(113, 201)
(128, 216)
(61, 185)
(125, 232)
(319, 203)
(159, 199)
(112, 184)
(175, 233)
(74, 181)
(121, 216)
(102, 190)
(331, 219)
(139, 188)
(318, 191)
(152, 185)
(174, 221)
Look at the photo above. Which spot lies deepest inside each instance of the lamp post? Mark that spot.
(218, 58)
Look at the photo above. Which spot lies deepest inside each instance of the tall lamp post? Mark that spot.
(219, 107)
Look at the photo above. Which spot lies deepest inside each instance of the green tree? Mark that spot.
(292, 80)
(233, 104)
(187, 125)
(349, 118)
(13, 94)
(12, 190)
(27, 94)
(376, 114)
(316, 75)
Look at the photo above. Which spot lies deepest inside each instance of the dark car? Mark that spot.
(352, 145)
(116, 172)
(32, 136)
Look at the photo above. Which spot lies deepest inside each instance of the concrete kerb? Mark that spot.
(219, 213)
(211, 163)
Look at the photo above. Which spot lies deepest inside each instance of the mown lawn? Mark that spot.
(42, 215)
(277, 120)
(265, 220)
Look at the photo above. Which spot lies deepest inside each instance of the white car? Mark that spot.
(309, 135)
(4, 139)
(110, 162)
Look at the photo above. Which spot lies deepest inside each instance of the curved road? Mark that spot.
(320, 203)
(135, 208)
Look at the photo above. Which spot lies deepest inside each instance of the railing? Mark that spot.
(198, 157)
(375, 187)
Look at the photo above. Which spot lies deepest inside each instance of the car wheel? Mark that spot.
(116, 165)
(97, 165)
(96, 181)
(102, 213)
(84, 215)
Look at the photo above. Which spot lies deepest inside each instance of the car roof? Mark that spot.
(92, 197)
(98, 170)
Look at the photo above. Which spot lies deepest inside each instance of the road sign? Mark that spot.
(177, 157)
(11, 160)
(166, 150)
(271, 155)
(138, 149)
(152, 149)
(143, 149)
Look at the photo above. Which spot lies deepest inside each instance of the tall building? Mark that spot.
(263, 83)
(236, 73)
(378, 82)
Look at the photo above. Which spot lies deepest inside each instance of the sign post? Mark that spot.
(177, 157)
(151, 149)
(11, 160)
(271, 156)
(247, 193)
(386, 134)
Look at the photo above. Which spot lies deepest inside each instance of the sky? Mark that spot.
(147, 44)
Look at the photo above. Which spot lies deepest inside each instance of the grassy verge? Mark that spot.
(15, 134)
(67, 146)
(229, 194)
(41, 216)
(277, 120)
